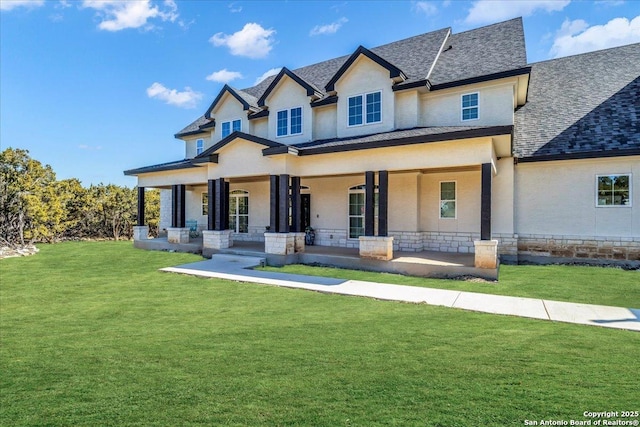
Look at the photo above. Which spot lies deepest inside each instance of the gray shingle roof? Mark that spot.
(487, 50)
(180, 164)
(585, 103)
(193, 127)
(502, 49)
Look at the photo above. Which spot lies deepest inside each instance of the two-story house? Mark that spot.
(441, 142)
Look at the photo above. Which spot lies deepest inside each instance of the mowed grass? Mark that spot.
(583, 284)
(92, 334)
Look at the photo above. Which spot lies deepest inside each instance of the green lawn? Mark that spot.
(589, 285)
(92, 334)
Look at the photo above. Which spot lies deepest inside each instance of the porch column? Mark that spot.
(140, 206)
(383, 203)
(140, 231)
(217, 236)
(296, 205)
(211, 204)
(178, 233)
(274, 198)
(485, 205)
(178, 205)
(486, 250)
(221, 216)
(283, 214)
(296, 229)
(369, 200)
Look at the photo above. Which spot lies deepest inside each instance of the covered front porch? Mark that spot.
(423, 264)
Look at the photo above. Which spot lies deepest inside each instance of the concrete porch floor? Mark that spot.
(423, 264)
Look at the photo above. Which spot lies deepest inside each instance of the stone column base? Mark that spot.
(216, 239)
(376, 247)
(178, 235)
(140, 232)
(298, 242)
(279, 243)
(486, 253)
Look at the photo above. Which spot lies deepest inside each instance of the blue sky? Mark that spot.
(95, 87)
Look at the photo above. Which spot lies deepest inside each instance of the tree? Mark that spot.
(29, 206)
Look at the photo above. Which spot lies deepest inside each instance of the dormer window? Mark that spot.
(232, 126)
(365, 109)
(470, 106)
(289, 122)
(199, 146)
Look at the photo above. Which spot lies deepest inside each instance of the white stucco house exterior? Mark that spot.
(439, 142)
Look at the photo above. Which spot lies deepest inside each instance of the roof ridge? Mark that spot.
(584, 53)
(519, 18)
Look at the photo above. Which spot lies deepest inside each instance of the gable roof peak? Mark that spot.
(248, 101)
(310, 88)
(394, 71)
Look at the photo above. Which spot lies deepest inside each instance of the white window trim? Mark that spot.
(629, 205)
(363, 97)
(466, 108)
(289, 133)
(200, 149)
(455, 216)
(230, 126)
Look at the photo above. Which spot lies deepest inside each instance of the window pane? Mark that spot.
(356, 204)
(621, 182)
(470, 113)
(605, 183)
(243, 205)
(605, 199)
(282, 123)
(232, 223)
(373, 107)
(205, 204)
(447, 191)
(470, 100)
(237, 125)
(356, 228)
(243, 224)
(226, 129)
(296, 120)
(355, 110)
(448, 209)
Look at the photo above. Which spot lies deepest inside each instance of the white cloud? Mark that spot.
(90, 147)
(268, 73)
(12, 4)
(118, 15)
(224, 76)
(577, 37)
(235, 9)
(252, 41)
(488, 11)
(186, 99)
(426, 7)
(328, 28)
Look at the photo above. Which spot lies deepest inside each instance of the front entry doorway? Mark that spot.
(306, 210)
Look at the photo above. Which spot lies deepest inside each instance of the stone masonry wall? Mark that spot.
(580, 247)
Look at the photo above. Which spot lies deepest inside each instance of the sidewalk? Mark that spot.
(238, 268)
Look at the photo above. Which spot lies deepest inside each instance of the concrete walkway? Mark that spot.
(238, 268)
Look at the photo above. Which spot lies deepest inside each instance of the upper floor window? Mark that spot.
(231, 126)
(365, 109)
(199, 146)
(470, 106)
(613, 190)
(289, 122)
